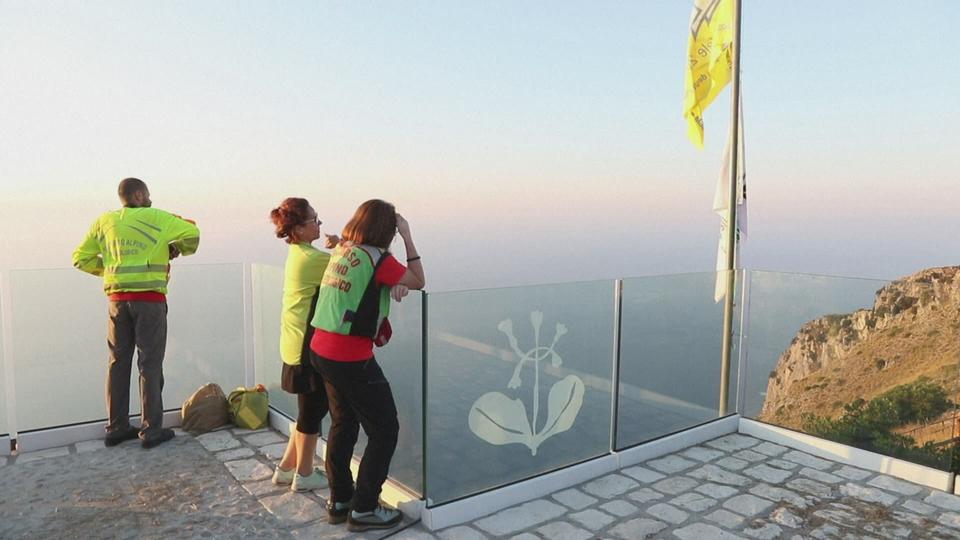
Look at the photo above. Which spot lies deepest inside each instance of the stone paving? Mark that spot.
(729, 488)
(218, 485)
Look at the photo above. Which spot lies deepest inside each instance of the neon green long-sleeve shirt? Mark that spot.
(129, 247)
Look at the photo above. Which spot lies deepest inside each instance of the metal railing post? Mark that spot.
(423, 393)
(9, 375)
(249, 314)
(744, 342)
(615, 379)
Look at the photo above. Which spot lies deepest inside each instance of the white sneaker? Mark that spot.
(315, 480)
(282, 477)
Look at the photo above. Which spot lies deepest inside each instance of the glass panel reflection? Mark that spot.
(205, 332)
(267, 282)
(59, 338)
(871, 364)
(59, 323)
(519, 383)
(670, 355)
(4, 429)
(402, 363)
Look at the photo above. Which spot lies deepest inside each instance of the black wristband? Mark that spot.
(411, 259)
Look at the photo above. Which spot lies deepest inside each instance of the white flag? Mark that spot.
(720, 202)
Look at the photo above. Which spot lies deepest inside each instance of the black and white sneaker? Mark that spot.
(337, 512)
(378, 518)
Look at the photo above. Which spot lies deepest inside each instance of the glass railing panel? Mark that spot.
(59, 327)
(670, 354)
(267, 283)
(205, 330)
(402, 364)
(4, 429)
(871, 364)
(518, 384)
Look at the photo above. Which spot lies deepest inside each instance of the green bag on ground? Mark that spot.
(249, 407)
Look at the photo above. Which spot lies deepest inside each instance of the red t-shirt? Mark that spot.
(356, 348)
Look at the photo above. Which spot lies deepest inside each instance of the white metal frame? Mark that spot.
(7, 369)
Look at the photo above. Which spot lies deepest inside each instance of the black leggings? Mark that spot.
(311, 408)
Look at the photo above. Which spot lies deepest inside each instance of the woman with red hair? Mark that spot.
(297, 222)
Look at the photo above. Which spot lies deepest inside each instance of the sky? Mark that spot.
(526, 142)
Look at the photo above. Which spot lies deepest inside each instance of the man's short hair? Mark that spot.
(128, 187)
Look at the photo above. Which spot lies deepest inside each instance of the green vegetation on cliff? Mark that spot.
(869, 424)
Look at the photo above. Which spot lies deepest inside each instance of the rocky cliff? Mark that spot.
(912, 331)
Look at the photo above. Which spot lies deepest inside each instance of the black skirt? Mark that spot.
(301, 379)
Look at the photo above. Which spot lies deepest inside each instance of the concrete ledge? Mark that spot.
(394, 493)
(855, 457)
(678, 441)
(283, 423)
(4, 446)
(62, 436)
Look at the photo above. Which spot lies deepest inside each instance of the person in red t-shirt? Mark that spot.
(357, 391)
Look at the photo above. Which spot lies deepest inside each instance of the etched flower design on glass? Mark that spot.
(499, 419)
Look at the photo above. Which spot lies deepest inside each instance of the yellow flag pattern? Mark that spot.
(710, 61)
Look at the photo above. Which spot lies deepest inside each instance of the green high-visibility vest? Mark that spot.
(129, 247)
(350, 302)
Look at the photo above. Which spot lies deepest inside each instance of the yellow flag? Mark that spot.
(710, 61)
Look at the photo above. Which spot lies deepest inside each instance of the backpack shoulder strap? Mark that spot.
(376, 256)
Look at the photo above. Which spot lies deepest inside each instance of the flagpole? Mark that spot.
(731, 214)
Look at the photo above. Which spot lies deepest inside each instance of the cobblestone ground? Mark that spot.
(216, 485)
(731, 487)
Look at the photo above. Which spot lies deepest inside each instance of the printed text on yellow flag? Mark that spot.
(710, 61)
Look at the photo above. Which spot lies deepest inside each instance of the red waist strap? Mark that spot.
(141, 296)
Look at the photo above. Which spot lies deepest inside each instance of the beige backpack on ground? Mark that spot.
(205, 410)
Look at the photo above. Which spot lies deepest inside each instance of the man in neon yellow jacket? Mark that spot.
(131, 248)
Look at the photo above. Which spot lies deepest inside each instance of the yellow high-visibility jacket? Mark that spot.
(129, 247)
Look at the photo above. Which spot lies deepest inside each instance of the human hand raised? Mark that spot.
(403, 227)
(331, 241)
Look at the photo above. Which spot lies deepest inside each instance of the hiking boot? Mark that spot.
(117, 436)
(337, 512)
(378, 518)
(162, 437)
(282, 477)
(315, 480)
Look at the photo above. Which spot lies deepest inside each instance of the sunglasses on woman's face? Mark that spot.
(315, 220)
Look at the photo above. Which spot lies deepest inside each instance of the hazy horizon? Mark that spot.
(525, 143)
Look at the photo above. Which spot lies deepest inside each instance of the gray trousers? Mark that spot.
(140, 326)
